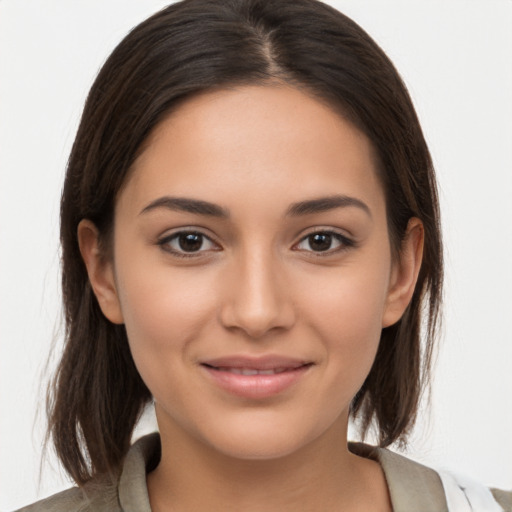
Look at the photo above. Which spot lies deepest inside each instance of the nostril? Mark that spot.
(257, 322)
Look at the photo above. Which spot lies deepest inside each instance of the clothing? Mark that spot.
(412, 486)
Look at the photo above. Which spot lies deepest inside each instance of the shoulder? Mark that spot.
(110, 494)
(92, 497)
(413, 486)
(504, 498)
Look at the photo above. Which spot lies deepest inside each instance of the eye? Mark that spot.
(187, 243)
(324, 242)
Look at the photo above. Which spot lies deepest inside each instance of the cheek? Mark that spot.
(350, 305)
(165, 314)
(164, 311)
(345, 312)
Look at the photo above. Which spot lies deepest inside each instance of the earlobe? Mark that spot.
(405, 273)
(100, 272)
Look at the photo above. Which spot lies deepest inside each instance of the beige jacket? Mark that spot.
(412, 486)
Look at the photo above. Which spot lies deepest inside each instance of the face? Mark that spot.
(252, 269)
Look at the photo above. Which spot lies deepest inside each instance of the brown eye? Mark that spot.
(187, 243)
(324, 242)
(320, 241)
(190, 242)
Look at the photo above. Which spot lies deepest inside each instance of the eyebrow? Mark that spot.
(324, 204)
(183, 204)
(308, 207)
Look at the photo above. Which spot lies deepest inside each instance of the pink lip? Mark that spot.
(226, 372)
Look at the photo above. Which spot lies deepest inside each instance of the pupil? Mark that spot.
(320, 241)
(190, 242)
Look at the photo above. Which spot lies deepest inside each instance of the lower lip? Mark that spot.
(256, 386)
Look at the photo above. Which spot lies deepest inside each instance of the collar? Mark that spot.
(412, 486)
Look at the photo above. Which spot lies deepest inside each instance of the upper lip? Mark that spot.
(267, 362)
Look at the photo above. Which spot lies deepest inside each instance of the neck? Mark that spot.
(323, 475)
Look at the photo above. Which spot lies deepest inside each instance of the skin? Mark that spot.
(257, 285)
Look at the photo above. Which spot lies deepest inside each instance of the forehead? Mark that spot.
(252, 143)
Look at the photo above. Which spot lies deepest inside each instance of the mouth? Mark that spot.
(256, 378)
(251, 371)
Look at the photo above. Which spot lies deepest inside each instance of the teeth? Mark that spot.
(247, 371)
(252, 371)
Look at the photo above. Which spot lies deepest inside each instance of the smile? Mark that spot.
(253, 371)
(255, 379)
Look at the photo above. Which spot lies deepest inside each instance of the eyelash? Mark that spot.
(345, 243)
(164, 243)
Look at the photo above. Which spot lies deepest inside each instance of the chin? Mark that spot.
(264, 438)
(257, 449)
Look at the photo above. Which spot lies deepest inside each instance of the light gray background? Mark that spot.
(456, 58)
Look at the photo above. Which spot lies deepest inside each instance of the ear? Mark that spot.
(100, 271)
(404, 273)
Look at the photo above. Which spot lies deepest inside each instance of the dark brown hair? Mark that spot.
(192, 46)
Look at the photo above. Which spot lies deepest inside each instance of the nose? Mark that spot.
(257, 298)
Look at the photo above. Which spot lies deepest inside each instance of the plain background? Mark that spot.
(456, 58)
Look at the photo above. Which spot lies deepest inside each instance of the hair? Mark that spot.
(97, 396)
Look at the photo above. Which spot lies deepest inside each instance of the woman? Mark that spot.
(250, 234)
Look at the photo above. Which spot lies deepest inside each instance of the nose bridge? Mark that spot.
(257, 300)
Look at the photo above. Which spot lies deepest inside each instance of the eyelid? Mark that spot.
(163, 242)
(346, 242)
